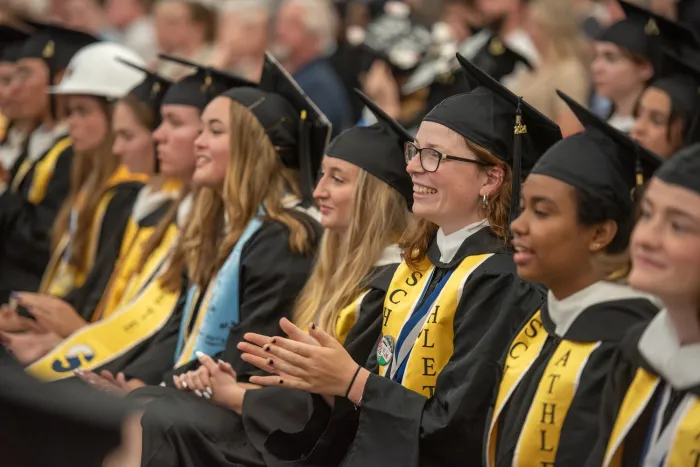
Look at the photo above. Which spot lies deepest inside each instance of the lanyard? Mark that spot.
(413, 326)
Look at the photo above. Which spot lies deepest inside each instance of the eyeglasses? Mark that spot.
(430, 158)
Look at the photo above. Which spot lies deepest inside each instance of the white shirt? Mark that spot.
(564, 312)
(449, 244)
(41, 140)
(11, 150)
(624, 124)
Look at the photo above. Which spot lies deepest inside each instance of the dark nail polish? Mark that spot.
(281, 381)
(313, 326)
(273, 340)
(266, 348)
(270, 362)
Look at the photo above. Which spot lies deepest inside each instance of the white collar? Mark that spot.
(11, 149)
(623, 124)
(449, 244)
(679, 365)
(41, 140)
(520, 41)
(148, 200)
(564, 313)
(390, 255)
(183, 211)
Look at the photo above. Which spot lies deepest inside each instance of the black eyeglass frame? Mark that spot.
(441, 156)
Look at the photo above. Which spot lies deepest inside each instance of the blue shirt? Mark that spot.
(322, 85)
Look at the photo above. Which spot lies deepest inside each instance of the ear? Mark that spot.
(602, 236)
(493, 181)
(646, 70)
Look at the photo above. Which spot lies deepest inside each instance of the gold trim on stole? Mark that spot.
(347, 318)
(540, 435)
(435, 343)
(43, 171)
(523, 352)
(685, 446)
(636, 399)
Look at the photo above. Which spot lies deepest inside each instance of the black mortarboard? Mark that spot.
(11, 41)
(398, 40)
(296, 127)
(498, 60)
(499, 121)
(680, 80)
(378, 149)
(646, 33)
(201, 87)
(602, 161)
(54, 44)
(51, 426)
(151, 92)
(683, 169)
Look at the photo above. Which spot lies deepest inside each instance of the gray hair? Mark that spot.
(320, 19)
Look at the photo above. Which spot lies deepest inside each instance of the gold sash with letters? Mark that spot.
(434, 346)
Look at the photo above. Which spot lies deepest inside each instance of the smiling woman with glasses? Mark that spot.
(449, 312)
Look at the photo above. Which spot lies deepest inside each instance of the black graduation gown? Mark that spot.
(497, 61)
(579, 427)
(45, 427)
(628, 360)
(25, 227)
(397, 426)
(220, 437)
(271, 277)
(110, 235)
(86, 298)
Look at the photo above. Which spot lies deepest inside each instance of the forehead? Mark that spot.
(667, 196)
(606, 47)
(217, 109)
(182, 111)
(657, 99)
(435, 135)
(333, 163)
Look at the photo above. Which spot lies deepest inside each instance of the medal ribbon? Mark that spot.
(412, 327)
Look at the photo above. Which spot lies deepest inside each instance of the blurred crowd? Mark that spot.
(549, 44)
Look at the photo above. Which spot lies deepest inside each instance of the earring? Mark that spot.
(485, 202)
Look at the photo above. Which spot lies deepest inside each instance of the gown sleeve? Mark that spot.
(400, 427)
(271, 277)
(86, 298)
(620, 376)
(25, 228)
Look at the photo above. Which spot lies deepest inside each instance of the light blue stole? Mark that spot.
(222, 312)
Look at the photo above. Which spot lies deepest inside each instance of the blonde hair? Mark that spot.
(256, 177)
(89, 174)
(379, 218)
(421, 233)
(559, 22)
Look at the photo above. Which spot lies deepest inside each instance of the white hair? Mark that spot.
(320, 19)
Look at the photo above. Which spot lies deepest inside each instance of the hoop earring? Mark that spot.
(485, 202)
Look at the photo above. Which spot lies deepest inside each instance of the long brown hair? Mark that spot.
(421, 232)
(379, 218)
(90, 171)
(256, 177)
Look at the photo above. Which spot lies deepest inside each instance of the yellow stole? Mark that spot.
(434, 346)
(191, 336)
(61, 276)
(637, 398)
(43, 171)
(348, 317)
(539, 437)
(146, 311)
(523, 352)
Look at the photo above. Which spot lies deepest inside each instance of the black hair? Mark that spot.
(591, 211)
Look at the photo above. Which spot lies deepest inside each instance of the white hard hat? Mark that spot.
(95, 71)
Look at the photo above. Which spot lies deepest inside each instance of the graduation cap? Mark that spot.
(378, 149)
(680, 80)
(201, 87)
(602, 161)
(646, 33)
(55, 45)
(296, 127)
(499, 121)
(498, 60)
(151, 92)
(396, 39)
(11, 40)
(683, 169)
(47, 425)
